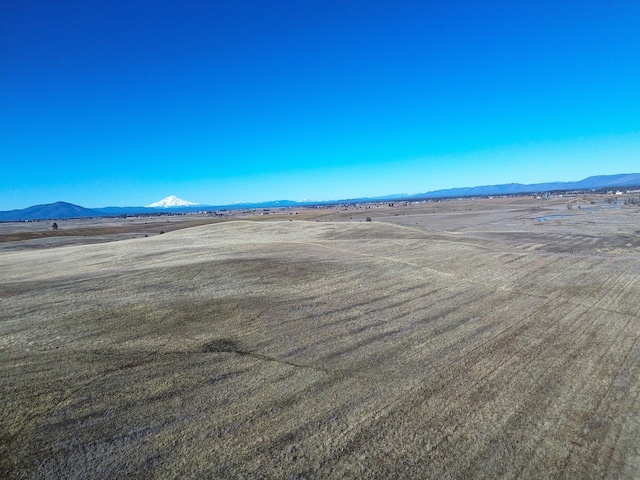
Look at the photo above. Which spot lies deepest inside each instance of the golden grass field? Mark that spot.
(461, 339)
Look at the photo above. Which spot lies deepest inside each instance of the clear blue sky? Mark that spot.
(123, 102)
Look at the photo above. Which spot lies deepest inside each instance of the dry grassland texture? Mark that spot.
(319, 350)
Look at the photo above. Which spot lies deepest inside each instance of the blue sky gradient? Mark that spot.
(123, 103)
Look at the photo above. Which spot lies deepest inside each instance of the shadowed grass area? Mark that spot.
(221, 346)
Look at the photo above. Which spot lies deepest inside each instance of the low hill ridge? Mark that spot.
(50, 211)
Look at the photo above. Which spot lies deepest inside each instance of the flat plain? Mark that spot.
(459, 339)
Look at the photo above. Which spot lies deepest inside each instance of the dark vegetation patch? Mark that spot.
(221, 345)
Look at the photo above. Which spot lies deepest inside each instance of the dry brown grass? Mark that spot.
(285, 349)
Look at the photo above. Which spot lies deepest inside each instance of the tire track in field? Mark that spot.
(632, 409)
(384, 410)
(614, 377)
(584, 376)
(631, 316)
(457, 278)
(443, 372)
(546, 372)
(529, 346)
(592, 413)
(449, 276)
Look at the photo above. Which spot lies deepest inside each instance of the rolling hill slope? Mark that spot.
(321, 350)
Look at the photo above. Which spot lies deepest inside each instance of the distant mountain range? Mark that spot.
(61, 210)
(623, 180)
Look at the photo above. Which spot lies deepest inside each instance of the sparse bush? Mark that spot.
(223, 345)
(54, 226)
(368, 219)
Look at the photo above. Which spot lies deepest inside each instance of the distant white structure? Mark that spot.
(170, 202)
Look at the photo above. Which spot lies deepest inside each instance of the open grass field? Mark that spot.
(461, 339)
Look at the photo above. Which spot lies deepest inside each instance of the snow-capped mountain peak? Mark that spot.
(171, 201)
